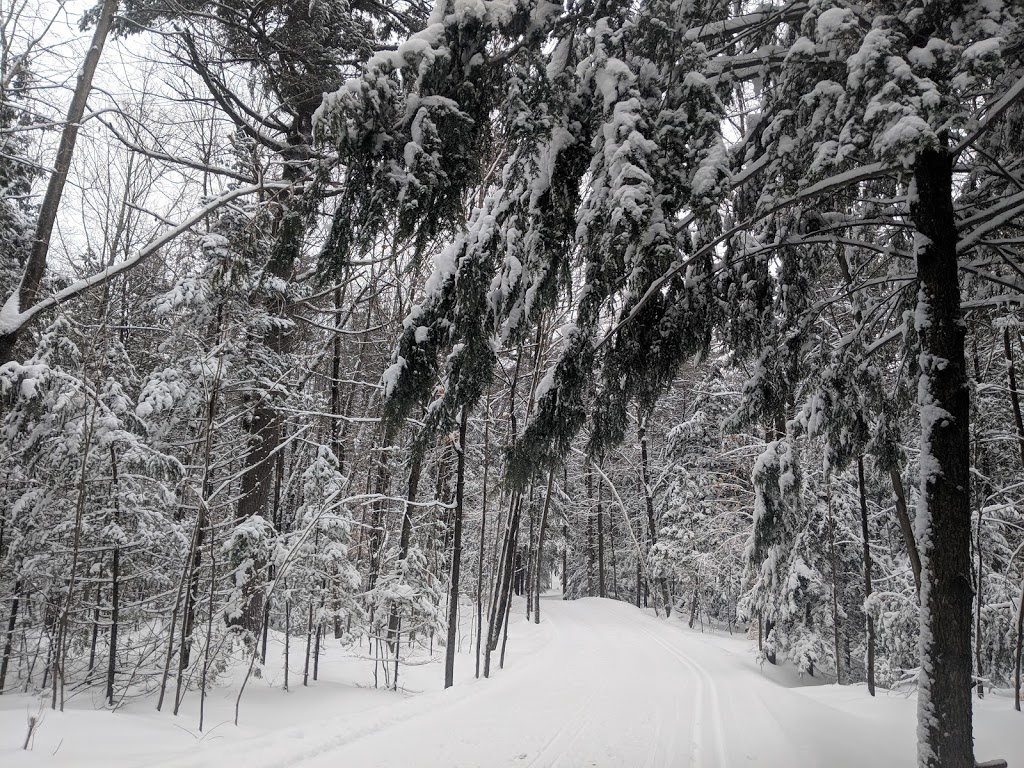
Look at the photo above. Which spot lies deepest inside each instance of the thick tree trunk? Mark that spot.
(266, 431)
(945, 737)
(453, 594)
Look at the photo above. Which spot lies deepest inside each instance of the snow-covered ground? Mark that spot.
(597, 683)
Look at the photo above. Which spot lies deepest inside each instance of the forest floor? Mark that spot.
(597, 683)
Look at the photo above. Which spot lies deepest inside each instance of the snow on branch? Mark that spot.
(12, 319)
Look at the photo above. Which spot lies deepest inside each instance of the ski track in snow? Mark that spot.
(598, 684)
(705, 701)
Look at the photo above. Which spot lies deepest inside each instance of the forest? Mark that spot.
(335, 323)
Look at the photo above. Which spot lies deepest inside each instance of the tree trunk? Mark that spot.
(266, 431)
(1018, 650)
(601, 589)
(202, 523)
(503, 587)
(979, 604)
(652, 531)
(944, 515)
(906, 527)
(591, 550)
(540, 547)
(867, 574)
(376, 536)
(530, 564)
(405, 539)
(1011, 375)
(565, 558)
(12, 623)
(611, 552)
(483, 536)
(835, 592)
(453, 594)
(35, 266)
(115, 589)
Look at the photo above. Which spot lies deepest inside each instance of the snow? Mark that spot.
(983, 49)
(802, 47)
(598, 682)
(10, 314)
(389, 379)
(833, 22)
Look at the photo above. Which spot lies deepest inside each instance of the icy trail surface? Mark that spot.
(597, 683)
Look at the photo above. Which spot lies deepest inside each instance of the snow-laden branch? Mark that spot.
(825, 186)
(740, 25)
(992, 114)
(993, 217)
(12, 320)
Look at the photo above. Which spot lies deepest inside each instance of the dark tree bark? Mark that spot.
(540, 547)
(453, 594)
(35, 266)
(565, 558)
(601, 589)
(503, 586)
(382, 481)
(652, 528)
(1011, 376)
(944, 702)
(483, 538)
(12, 623)
(405, 538)
(835, 592)
(906, 527)
(266, 430)
(530, 564)
(591, 549)
(115, 589)
(867, 573)
(1017, 651)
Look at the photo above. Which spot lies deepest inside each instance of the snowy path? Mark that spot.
(612, 687)
(597, 683)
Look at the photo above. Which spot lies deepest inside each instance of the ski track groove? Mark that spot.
(565, 738)
(652, 759)
(705, 682)
(707, 749)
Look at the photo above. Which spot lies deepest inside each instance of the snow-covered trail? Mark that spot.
(612, 687)
(596, 683)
